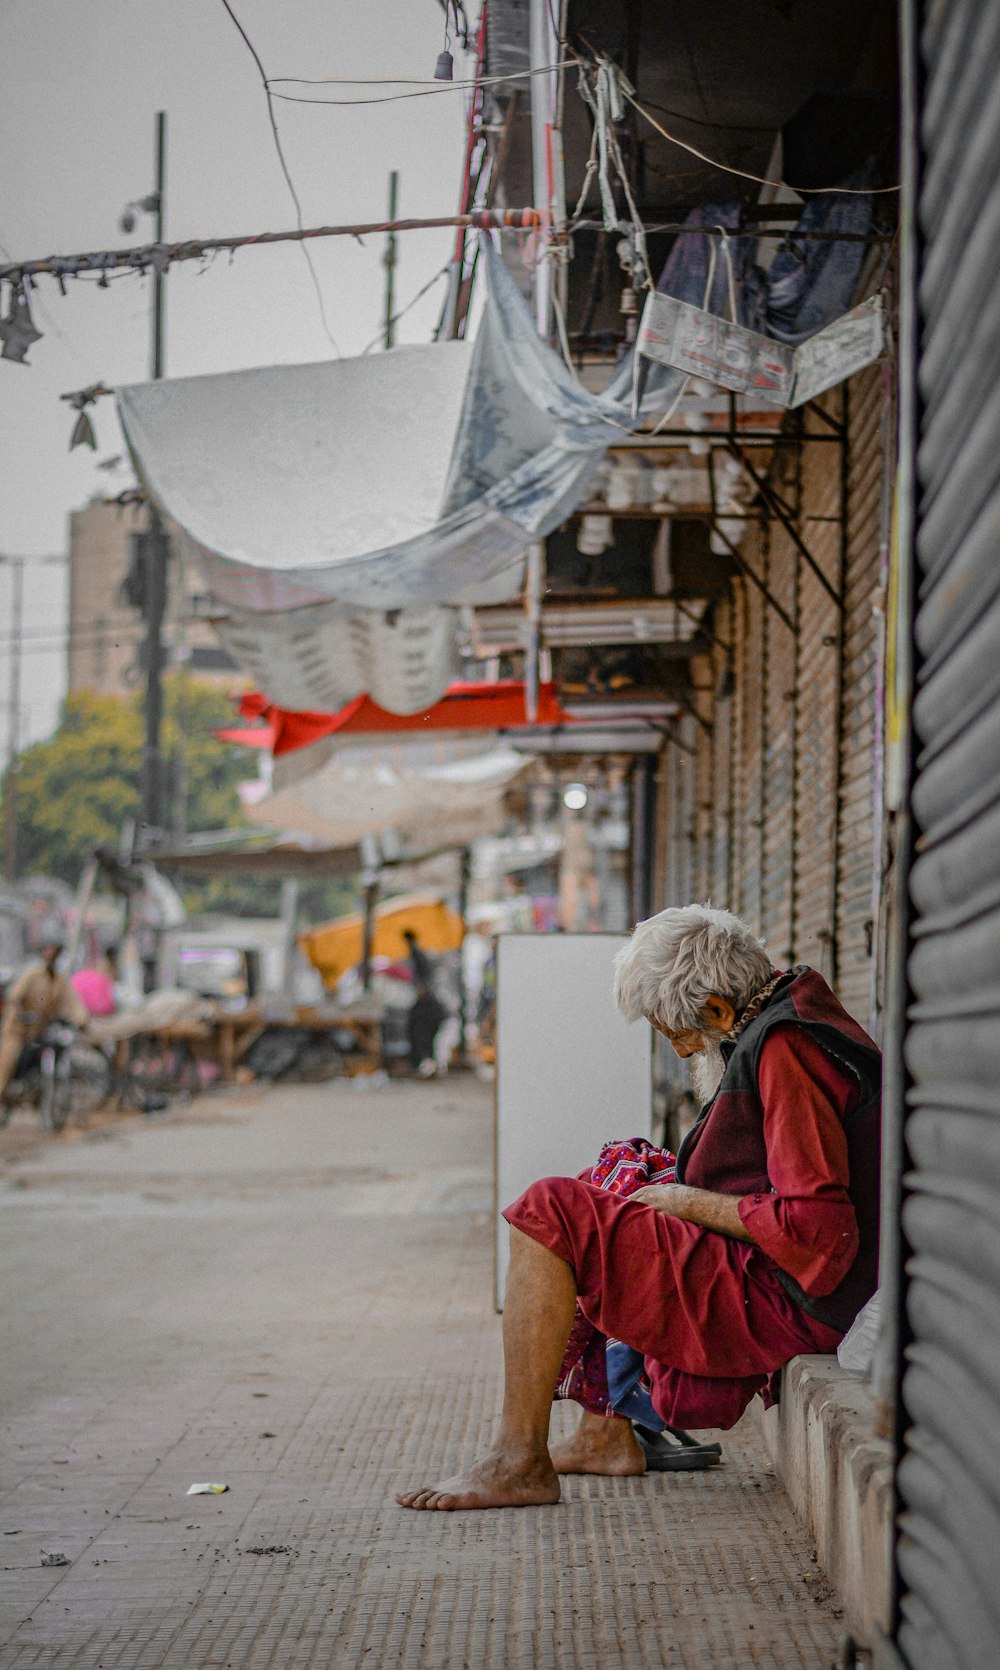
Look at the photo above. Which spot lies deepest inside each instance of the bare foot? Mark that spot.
(499, 1481)
(601, 1444)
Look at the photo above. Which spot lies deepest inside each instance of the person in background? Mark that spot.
(423, 1021)
(37, 997)
(421, 964)
(95, 984)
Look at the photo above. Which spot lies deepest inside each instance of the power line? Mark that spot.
(415, 81)
(284, 169)
(88, 633)
(742, 173)
(404, 310)
(425, 89)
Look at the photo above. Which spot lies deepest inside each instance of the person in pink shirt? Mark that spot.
(95, 986)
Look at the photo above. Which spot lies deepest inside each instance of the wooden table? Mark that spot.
(236, 1032)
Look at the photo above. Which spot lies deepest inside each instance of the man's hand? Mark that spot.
(695, 1206)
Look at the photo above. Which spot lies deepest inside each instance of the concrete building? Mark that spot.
(105, 633)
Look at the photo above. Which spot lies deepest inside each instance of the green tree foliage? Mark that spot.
(77, 791)
(79, 788)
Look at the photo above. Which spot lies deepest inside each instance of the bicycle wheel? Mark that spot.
(89, 1080)
(158, 1070)
(54, 1096)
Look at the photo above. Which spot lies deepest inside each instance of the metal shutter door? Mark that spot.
(861, 628)
(949, 1474)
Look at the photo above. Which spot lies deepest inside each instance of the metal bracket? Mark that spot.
(777, 508)
(740, 560)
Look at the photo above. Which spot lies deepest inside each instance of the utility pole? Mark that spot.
(14, 706)
(154, 541)
(389, 261)
(161, 226)
(16, 566)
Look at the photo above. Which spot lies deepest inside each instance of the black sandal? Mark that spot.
(672, 1450)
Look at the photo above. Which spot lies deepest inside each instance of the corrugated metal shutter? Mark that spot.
(777, 815)
(780, 696)
(751, 660)
(854, 924)
(817, 707)
(949, 1475)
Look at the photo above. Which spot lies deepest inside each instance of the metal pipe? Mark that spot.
(540, 53)
(154, 543)
(139, 256)
(159, 323)
(389, 260)
(533, 591)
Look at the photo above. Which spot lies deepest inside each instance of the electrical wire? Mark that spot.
(425, 90)
(404, 310)
(699, 122)
(55, 641)
(742, 173)
(414, 81)
(284, 169)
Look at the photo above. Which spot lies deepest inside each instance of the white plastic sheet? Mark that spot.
(425, 792)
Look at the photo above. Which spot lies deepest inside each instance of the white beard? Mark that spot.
(707, 1069)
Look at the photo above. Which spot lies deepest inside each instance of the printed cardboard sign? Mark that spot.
(836, 353)
(674, 333)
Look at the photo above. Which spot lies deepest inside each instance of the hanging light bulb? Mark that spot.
(17, 330)
(444, 69)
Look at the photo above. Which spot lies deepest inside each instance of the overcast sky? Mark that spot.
(80, 82)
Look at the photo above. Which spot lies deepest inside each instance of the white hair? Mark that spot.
(675, 960)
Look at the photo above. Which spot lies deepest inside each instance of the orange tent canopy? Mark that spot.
(339, 945)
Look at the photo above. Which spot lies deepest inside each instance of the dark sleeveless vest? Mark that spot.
(725, 1149)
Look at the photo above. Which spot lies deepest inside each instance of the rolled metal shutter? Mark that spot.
(949, 1472)
(859, 717)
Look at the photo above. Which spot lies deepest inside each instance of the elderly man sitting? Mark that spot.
(764, 1245)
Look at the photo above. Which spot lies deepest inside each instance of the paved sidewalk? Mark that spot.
(288, 1291)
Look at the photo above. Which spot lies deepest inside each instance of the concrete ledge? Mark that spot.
(838, 1477)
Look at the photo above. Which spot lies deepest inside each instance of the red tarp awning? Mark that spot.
(465, 707)
(248, 736)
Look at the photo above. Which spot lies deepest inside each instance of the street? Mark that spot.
(287, 1291)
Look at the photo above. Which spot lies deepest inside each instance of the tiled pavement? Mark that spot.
(288, 1291)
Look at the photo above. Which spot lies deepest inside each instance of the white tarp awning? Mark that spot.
(420, 790)
(341, 513)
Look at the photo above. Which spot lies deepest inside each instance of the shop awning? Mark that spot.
(258, 853)
(337, 946)
(424, 791)
(499, 706)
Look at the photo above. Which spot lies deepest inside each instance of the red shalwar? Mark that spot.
(708, 1312)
